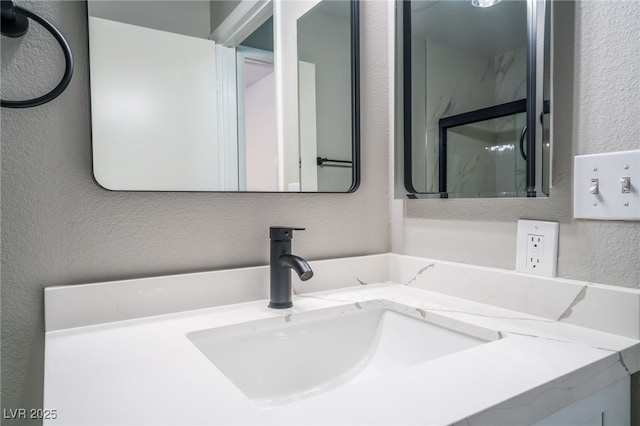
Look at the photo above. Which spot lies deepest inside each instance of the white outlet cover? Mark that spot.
(610, 203)
(549, 261)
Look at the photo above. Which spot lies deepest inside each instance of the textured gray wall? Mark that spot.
(59, 227)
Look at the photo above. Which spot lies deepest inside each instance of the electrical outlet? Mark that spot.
(537, 247)
(535, 251)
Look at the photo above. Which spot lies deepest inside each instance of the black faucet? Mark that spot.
(281, 262)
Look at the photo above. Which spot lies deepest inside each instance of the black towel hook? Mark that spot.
(15, 24)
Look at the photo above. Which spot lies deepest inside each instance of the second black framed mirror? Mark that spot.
(475, 98)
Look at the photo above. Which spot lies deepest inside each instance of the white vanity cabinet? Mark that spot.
(610, 406)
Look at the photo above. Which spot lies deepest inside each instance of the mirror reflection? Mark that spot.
(224, 95)
(466, 96)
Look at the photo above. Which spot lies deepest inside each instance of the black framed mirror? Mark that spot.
(231, 96)
(475, 98)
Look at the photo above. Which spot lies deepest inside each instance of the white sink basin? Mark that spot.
(283, 359)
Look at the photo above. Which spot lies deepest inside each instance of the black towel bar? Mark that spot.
(15, 24)
(320, 161)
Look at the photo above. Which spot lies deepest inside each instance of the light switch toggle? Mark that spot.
(595, 186)
(626, 184)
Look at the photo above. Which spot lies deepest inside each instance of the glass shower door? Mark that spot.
(484, 159)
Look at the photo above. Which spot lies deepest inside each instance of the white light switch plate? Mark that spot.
(607, 172)
(537, 247)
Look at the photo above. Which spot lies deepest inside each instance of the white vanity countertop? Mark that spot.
(146, 371)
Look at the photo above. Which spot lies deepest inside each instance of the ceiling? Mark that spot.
(491, 31)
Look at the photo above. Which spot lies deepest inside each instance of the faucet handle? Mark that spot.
(282, 233)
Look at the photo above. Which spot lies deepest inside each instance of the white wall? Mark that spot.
(285, 19)
(59, 227)
(260, 135)
(324, 41)
(153, 134)
(307, 117)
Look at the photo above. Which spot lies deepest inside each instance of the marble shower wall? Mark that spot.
(510, 71)
(510, 85)
(456, 81)
(482, 157)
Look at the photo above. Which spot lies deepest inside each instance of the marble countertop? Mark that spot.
(146, 371)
